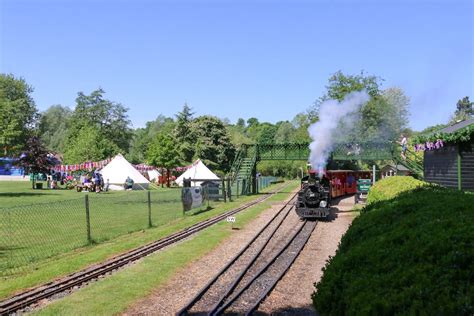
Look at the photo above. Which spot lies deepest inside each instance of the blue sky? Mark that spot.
(264, 59)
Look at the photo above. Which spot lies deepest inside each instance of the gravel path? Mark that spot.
(288, 299)
(249, 298)
(284, 299)
(179, 290)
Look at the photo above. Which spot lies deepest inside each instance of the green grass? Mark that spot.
(114, 294)
(71, 261)
(43, 223)
(411, 254)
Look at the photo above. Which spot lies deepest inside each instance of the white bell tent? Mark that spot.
(117, 171)
(197, 171)
(153, 175)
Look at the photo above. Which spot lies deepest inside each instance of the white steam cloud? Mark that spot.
(335, 120)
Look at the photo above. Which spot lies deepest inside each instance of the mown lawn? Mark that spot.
(114, 294)
(67, 261)
(37, 224)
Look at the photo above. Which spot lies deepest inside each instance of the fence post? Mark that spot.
(238, 187)
(229, 190)
(88, 219)
(223, 191)
(149, 209)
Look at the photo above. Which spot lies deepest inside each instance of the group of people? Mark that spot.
(92, 183)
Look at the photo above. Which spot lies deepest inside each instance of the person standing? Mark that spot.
(403, 143)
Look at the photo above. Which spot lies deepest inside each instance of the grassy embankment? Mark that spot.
(70, 261)
(411, 251)
(117, 292)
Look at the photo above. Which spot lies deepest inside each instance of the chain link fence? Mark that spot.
(32, 233)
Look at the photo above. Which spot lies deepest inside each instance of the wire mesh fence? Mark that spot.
(32, 233)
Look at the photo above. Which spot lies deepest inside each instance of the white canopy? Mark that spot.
(197, 171)
(153, 174)
(117, 171)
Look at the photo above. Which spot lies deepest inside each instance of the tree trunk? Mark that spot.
(162, 175)
(168, 178)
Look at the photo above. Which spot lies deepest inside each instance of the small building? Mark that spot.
(453, 164)
(394, 170)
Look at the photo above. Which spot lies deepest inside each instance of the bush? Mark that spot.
(390, 187)
(413, 254)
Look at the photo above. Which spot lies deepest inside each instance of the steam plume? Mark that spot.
(335, 120)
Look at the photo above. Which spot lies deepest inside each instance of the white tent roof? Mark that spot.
(153, 174)
(119, 169)
(197, 171)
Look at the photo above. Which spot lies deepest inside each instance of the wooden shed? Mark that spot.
(452, 165)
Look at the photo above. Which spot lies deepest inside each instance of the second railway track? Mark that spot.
(255, 269)
(31, 297)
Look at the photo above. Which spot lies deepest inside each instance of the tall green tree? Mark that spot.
(142, 137)
(182, 133)
(464, 110)
(162, 153)
(213, 144)
(108, 118)
(18, 113)
(89, 145)
(53, 127)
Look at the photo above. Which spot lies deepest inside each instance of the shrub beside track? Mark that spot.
(410, 252)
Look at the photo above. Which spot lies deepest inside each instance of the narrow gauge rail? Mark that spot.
(210, 297)
(30, 297)
(247, 300)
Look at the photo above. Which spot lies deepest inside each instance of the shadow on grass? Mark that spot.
(202, 211)
(24, 194)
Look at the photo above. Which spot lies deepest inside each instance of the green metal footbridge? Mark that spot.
(248, 156)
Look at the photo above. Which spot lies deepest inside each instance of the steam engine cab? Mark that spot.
(314, 197)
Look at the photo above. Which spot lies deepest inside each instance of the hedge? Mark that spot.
(390, 187)
(410, 254)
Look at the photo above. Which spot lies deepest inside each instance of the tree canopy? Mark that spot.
(18, 113)
(95, 114)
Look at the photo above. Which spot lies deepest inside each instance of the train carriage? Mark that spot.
(316, 192)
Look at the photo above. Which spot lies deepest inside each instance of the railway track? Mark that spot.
(45, 291)
(249, 277)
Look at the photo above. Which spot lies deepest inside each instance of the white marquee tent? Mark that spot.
(117, 171)
(153, 175)
(197, 171)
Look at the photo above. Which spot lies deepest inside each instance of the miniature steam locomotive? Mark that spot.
(314, 197)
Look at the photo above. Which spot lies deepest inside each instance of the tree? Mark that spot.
(89, 145)
(110, 119)
(182, 133)
(285, 133)
(162, 153)
(18, 113)
(142, 137)
(35, 158)
(399, 103)
(341, 85)
(382, 118)
(266, 134)
(464, 110)
(213, 143)
(53, 127)
(241, 123)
